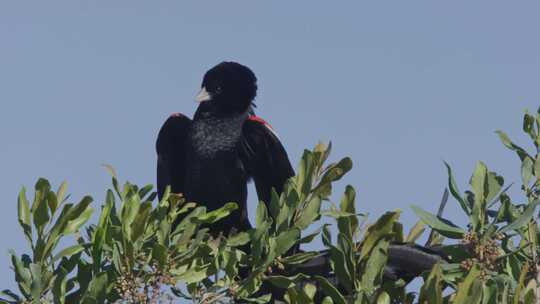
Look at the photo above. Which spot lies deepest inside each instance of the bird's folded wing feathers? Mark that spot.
(264, 157)
(171, 153)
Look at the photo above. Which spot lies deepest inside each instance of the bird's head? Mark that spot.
(229, 86)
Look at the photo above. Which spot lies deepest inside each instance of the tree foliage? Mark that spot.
(143, 251)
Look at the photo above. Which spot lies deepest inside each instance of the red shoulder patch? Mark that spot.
(263, 122)
(259, 120)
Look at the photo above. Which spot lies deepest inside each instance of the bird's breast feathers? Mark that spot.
(212, 135)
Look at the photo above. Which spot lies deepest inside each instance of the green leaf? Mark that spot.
(42, 185)
(23, 209)
(489, 292)
(326, 236)
(22, 275)
(274, 205)
(116, 260)
(345, 245)
(297, 295)
(185, 230)
(37, 285)
(452, 185)
(384, 298)
(60, 283)
(479, 182)
(84, 275)
(348, 225)
(69, 251)
(282, 219)
(292, 199)
(536, 168)
(216, 215)
(261, 215)
(52, 202)
(309, 214)
(373, 271)
(341, 267)
(238, 239)
(102, 227)
(495, 183)
(337, 214)
(382, 228)
(530, 292)
(11, 295)
(74, 225)
(416, 231)
(194, 274)
(310, 237)
(61, 192)
(130, 209)
(310, 290)
(40, 212)
(72, 216)
(327, 300)
(304, 176)
(431, 291)
(285, 282)
(331, 290)
(521, 284)
(446, 229)
(59, 288)
(145, 190)
(97, 290)
(286, 240)
(259, 300)
(141, 221)
(41, 188)
(323, 150)
(523, 219)
(528, 126)
(187, 207)
(300, 258)
(337, 171)
(470, 290)
(159, 253)
(527, 171)
(250, 285)
(522, 154)
(480, 190)
(331, 174)
(507, 211)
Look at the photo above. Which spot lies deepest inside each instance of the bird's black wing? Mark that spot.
(170, 148)
(264, 158)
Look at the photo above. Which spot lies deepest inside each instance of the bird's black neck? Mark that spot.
(219, 109)
(214, 132)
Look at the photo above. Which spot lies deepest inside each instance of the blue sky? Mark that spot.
(399, 87)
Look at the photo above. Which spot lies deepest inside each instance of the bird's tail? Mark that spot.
(407, 260)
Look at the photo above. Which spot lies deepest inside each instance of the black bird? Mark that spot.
(211, 158)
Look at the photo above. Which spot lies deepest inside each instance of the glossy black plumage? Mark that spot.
(211, 158)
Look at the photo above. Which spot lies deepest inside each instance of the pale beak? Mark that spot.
(203, 95)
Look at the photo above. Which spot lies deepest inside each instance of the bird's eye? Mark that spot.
(218, 90)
